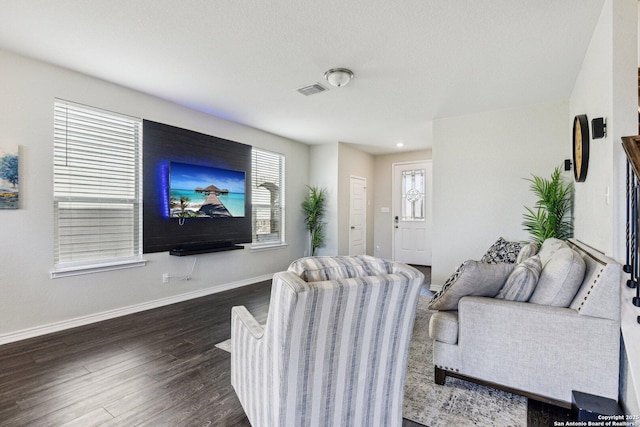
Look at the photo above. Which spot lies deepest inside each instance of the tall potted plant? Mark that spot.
(314, 207)
(551, 215)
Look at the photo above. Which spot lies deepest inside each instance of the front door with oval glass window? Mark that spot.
(412, 213)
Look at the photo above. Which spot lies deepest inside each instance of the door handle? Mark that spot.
(396, 221)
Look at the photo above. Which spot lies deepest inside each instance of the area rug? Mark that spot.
(458, 402)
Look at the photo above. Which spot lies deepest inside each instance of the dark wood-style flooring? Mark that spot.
(155, 368)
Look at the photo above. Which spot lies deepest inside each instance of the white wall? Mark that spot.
(592, 96)
(330, 167)
(30, 299)
(383, 221)
(480, 163)
(606, 87)
(323, 172)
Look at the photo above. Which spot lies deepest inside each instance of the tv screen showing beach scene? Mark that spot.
(205, 192)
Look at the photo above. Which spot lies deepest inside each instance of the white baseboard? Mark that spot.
(110, 314)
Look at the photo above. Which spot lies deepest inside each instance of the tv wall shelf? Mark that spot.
(203, 248)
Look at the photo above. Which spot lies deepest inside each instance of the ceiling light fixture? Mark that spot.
(338, 76)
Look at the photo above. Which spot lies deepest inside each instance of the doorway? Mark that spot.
(412, 212)
(357, 215)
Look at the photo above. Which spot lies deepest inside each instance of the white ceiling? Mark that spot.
(414, 60)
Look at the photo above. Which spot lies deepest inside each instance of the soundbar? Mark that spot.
(203, 248)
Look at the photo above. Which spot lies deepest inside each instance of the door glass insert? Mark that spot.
(413, 198)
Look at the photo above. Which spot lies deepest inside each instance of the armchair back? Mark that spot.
(333, 352)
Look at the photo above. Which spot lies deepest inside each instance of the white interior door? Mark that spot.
(358, 216)
(412, 219)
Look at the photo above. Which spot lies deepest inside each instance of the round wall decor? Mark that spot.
(580, 147)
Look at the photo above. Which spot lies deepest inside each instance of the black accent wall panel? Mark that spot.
(163, 144)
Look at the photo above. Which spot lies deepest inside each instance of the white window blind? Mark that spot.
(267, 198)
(97, 186)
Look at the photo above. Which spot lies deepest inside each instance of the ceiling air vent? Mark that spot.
(312, 89)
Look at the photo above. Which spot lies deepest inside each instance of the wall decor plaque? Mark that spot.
(9, 189)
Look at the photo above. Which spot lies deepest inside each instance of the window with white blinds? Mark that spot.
(267, 198)
(97, 188)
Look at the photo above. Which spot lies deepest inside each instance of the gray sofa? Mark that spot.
(540, 351)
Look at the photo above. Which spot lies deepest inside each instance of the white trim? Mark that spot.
(118, 312)
(267, 247)
(96, 268)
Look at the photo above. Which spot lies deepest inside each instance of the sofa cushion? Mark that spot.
(317, 269)
(549, 247)
(522, 281)
(502, 251)
(528, 250)
(443, 326)
(560, 279)
(471, 278)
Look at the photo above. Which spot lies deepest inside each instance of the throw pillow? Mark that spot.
(522, 281)
(471, 278)
(549, 247)
(560, 279)
(502, 251)
(528, 250)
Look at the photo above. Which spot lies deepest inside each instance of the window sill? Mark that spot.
(267, 247)
(77, 270)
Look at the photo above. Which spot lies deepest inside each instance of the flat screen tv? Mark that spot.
(205, 192)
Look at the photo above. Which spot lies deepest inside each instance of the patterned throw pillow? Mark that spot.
(522, 281)
(502, 251)
(472, 278)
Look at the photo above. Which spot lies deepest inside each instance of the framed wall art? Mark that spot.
(9, 189)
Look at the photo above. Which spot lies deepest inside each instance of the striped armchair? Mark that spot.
(335, 347)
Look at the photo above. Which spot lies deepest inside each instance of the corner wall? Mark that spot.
(323, 172)
(31, 302)
(606, 87)
(353, 162)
